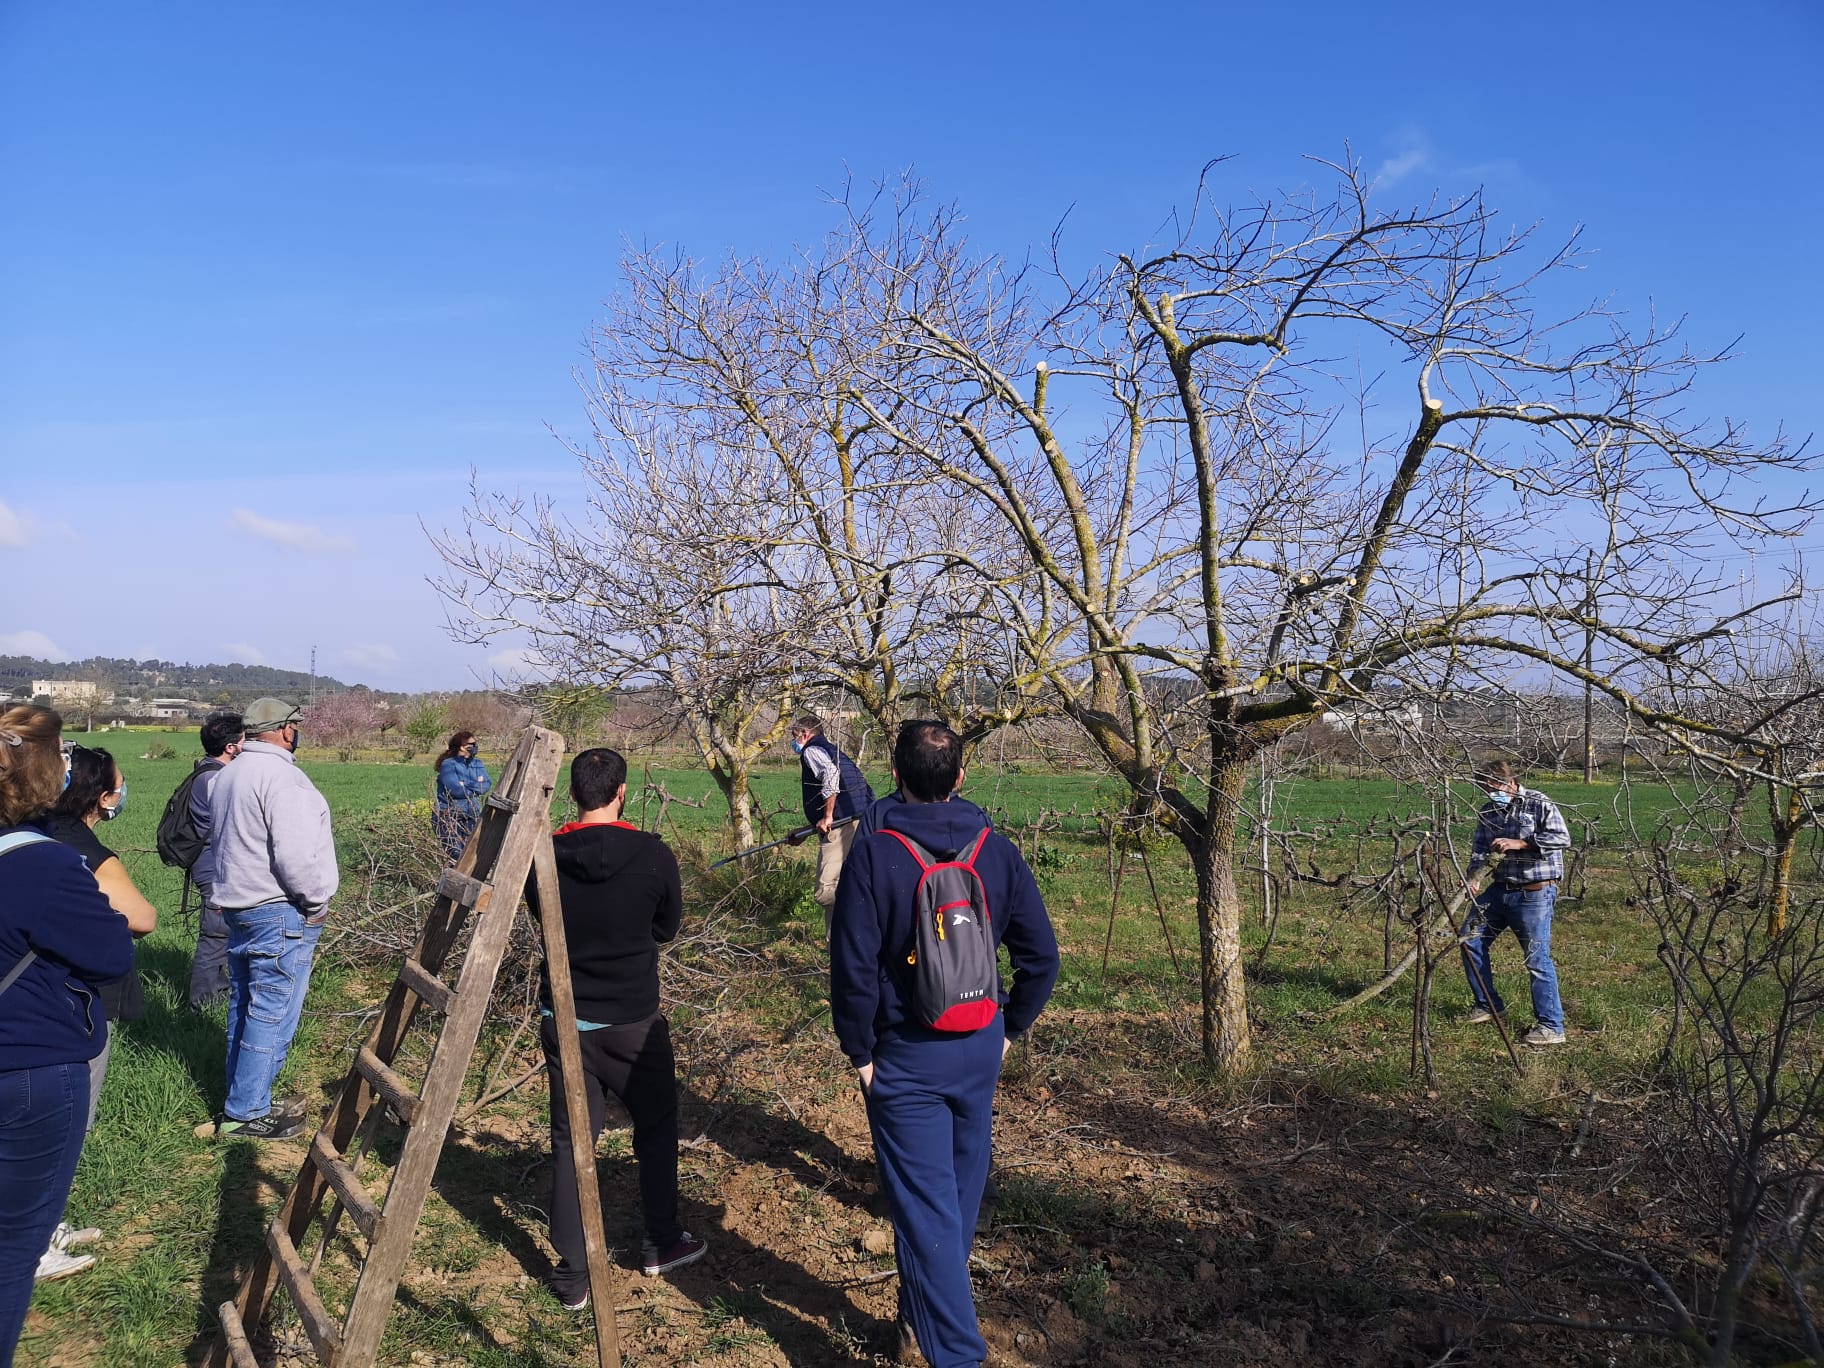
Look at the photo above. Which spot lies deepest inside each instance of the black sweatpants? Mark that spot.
(635, 1064)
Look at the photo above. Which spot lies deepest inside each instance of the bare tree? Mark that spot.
(763, 359)
(1220, 558)
(670, 580)
(1765, 698)
(84, 701)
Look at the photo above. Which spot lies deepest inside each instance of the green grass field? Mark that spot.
(159, 1192)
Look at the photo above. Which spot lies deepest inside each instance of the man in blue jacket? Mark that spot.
(930, 1094)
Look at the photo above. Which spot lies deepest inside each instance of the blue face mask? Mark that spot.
(1500, 797)
(108, 814)
(797, 746)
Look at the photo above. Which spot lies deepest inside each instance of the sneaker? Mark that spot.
(687, 1248)
(581, 1302)
(1541, 1035)
(291, 1106)
(1480, 1015)
(272, 1126)
(54, 1264)
(906, 1348)
(63, 1237)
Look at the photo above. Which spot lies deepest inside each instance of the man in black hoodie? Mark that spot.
(930, 1094)
(621, 901)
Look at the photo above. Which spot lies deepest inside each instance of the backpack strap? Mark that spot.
(13, 840)
(918, 851)
(8, 844)
(973, 849)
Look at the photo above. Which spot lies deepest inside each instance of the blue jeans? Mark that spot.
(41, 1130)
(1506, 907)
(269, 954)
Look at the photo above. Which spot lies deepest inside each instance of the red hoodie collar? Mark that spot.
(584, 826)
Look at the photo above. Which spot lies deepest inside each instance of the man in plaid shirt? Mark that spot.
(1527, 831)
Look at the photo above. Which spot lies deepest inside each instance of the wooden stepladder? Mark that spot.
(512, 842)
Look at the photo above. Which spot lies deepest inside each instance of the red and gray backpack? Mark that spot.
(955, 980)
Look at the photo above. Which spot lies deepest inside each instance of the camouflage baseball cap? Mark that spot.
(268, 714)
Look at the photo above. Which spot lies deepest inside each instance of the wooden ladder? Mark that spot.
(511, 842)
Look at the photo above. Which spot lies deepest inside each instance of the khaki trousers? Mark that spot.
(832, 850)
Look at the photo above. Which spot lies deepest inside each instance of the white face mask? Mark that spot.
(1500, 797)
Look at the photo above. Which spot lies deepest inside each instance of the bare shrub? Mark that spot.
(1746, 1062)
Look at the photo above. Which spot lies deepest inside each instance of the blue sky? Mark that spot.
(275, 278)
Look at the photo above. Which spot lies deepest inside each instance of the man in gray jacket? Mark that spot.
(275, 872)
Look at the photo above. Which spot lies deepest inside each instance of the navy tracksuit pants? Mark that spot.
(931, 1108)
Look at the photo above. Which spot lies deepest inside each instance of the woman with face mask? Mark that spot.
(462, 782)
(97, 793)
(59, 941)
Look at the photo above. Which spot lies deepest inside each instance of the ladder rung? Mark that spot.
(390, 1085)
(433, 990)
(342, 1178)
(460, 888)
(501, 801)
(324, 1333)
(234, 1335)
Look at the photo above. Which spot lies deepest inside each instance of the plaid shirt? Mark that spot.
(1529, 816)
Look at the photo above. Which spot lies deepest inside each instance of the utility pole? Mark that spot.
(1589, 656)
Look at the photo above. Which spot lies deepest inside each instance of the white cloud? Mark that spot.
(240, 652)
(31, 644)
(14, 529)
(372, 655)
(1397, 168)
(521, 662)
(294, 536)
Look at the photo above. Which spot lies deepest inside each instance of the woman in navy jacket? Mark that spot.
(462, 782)
(59, 941)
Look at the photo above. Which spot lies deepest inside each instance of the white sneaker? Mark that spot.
(54, 1264)
(1541, 1035)
(64, 1237)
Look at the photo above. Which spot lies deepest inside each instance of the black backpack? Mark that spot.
(955, 980)
(180, 844)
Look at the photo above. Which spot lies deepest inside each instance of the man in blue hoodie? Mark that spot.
(930, 1094)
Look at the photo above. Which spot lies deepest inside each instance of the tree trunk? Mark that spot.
(1729, 1295)
(732, 777)
(1227, 1043)
(1786, 828)
(1738, 803)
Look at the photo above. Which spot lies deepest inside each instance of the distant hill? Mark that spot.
(165, 677)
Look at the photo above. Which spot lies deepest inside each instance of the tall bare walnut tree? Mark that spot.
(764, 358)
(1213, 504)
(750, 538)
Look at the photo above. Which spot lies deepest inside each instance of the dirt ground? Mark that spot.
(1276, 1228)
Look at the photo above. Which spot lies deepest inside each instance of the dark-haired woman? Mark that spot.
(462, 782)
(59, 942)
(97, 793)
